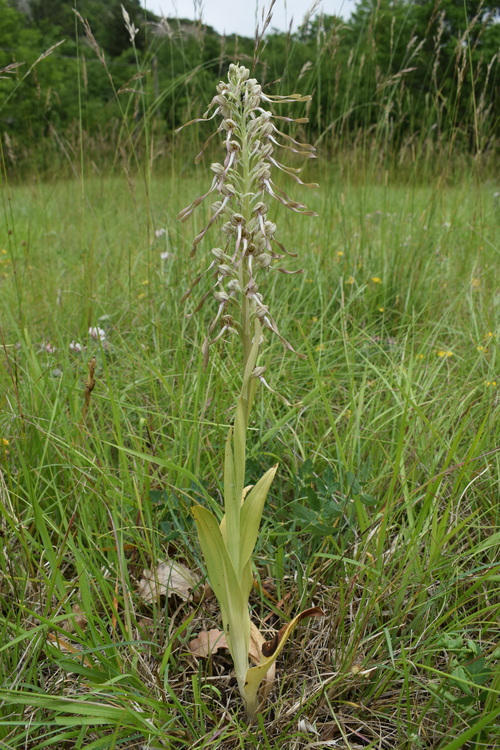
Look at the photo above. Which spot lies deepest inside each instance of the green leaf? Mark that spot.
(228, 588)
(246, 580)
(220, 570)
(460, 677)
(353, 483)
(451, 642)
(479, 671)
(251, 514)
(100, 713)
(239, 449)
(368, 499)
(229, 490)
(255, 675)
(230, 524)
(487, 720)
(252, 356)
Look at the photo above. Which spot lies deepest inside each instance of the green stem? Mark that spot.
(236, 443)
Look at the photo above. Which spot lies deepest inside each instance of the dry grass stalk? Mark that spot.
(89, 387)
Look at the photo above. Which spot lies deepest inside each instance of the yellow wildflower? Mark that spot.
(444, 353)
(376, 279)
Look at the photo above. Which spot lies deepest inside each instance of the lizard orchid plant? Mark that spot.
(243, 186)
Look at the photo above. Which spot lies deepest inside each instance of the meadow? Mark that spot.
(386, 508)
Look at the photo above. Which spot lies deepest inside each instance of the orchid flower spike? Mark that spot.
(244, 185)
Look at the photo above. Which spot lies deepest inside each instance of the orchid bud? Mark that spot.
(229, 124)
(238, 219)
(219, 253)
(267, 129)
(264, 260)
(233, 286)
(221, 296)
(266, 151)
(226, 270)
(227, 189)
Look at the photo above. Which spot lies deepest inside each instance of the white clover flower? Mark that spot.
(76, 347)
(98, 334)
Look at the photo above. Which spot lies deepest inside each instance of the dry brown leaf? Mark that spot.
(67, 647)
(146, 628)
(257, 640)
(80, 619)
(270, 646)
(80, 616)
(169, 578)
(208, 642)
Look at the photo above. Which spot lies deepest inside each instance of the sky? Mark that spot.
(239, 16)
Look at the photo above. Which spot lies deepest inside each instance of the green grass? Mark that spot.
(386, 512)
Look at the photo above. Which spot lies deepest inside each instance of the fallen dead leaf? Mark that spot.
(208, 642)
(259, 678)
(270, 646)
(80, 616)
(79, 619)
(305, 727)
(257, 640)
(65, 646)
(146, 627)
(169, 578)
